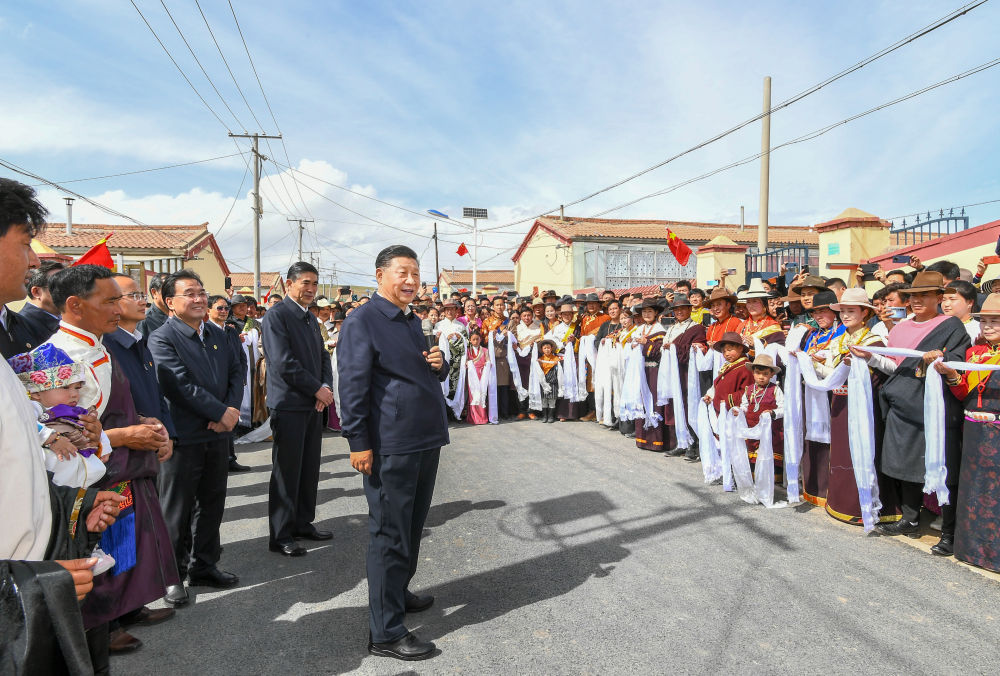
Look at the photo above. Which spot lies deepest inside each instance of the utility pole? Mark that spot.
(257, 210)
(437, 272)
(765, 167)
(300, 221)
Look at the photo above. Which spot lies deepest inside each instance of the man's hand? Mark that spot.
(323, 394)
(859, 353)
(362, 461)
(104, 512)
(227, 422)
(139, 437)
(948, 372)
(83, 576)
(981, 267)
(932, 356)
(63, 449)
(434, 358)
(880, 275)
(164, 452)
(916, 264)
(92, 428)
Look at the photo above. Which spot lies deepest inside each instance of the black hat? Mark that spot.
(338, 316)
(549, 294)
(581, 298)
(656, 303)
(680, 300)
(237, 299)
(593, 298)
(823, 299)
(565, 300)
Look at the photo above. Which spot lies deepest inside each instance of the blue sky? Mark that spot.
(515, 106)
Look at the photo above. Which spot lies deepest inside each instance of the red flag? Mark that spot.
(98, 255)
(462, 249)
(680, 250)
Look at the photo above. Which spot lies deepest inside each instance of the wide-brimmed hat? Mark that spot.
(580, 298)
(323, 302)
(537, 301)
(990, 285)
(755, 290)
(549, 293)
(730, 338)
(854, 297)
(765, 361)
(570, 305)
(593, 298)
(449, 303)
(792, 296)
(823, 299)
(680, 300)
(721, 293)
(237, 299)
(991, 306)
(555, 348)
(810, 281)
(657, 304)
(927, 280)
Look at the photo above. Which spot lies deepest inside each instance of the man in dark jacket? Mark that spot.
(201, 378)
(156, 315)
(40, 313)
(393, 415)
(299, 377)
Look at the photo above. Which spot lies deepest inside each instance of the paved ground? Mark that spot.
(561, 548)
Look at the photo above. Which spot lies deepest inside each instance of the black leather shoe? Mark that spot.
(945, 546)
(407, 648)
(292, 548)
(314, 534)
(147, 617)
(901, 527)
(213, 577)
(692, 454)
(176, 596)
(418, 604)
(676, 452)
(120, 641)
(237, 467)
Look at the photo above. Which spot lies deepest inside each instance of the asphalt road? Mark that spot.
(562, 549)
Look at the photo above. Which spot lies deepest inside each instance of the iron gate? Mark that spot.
(768, 264)
(929, 227)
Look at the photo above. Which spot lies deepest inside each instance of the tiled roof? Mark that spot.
(86, 235)
(482, 276)
(244, 279)
(690, 232)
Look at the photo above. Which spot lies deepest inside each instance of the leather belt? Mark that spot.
(981, 417)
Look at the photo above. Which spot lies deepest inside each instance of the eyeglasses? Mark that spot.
(192, 296)
(221, 308)
(135, 295)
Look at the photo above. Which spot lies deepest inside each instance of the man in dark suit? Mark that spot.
(40, 313)
(200, 375)
(393, 415)
(156, 314)
(299, 374)
(16, 335)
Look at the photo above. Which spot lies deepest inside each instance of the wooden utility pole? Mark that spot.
(257, 210)
(437, 272)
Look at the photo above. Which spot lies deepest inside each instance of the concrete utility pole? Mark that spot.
(300, 221)
(257, 210)
(475, 214)
(437, 272)
(765, 167)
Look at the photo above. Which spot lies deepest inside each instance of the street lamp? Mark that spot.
(475, 213)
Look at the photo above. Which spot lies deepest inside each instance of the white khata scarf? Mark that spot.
(515, 368)
(587, 356)
(536, 382)
(935, 471)
(816, 402)
(604, 382)
(861, 431)
(708, 448)
(668, 391)
(492, 408)
(479, 385)
(763, 472)
(456, 403)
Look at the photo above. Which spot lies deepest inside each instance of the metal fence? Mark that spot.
(768, 264)
(929, 228)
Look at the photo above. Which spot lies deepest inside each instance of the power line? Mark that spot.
(816, 133)
(236, 199)
(960, 206)
(108, 210)
(146, 171)
(267, 102)
(948, 18)
(179, 69)
(196, 60)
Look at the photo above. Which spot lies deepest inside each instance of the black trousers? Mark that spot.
(291, 503)
(911, 499)
(503, 401)
(193, 495)
(399, 493)
(98, 643)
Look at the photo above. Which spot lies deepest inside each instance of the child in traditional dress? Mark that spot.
(763, 400)
(734, 376)
(478, 378)
(549, 362)
(53, 382)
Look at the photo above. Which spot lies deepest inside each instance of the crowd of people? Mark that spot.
(123, 408)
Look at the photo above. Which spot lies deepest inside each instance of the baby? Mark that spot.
(53, 381)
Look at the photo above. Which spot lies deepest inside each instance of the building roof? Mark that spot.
(86, 235)
(452, 277)
(933, 248)
(693, 233)
(183, 241)
(268, 280)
